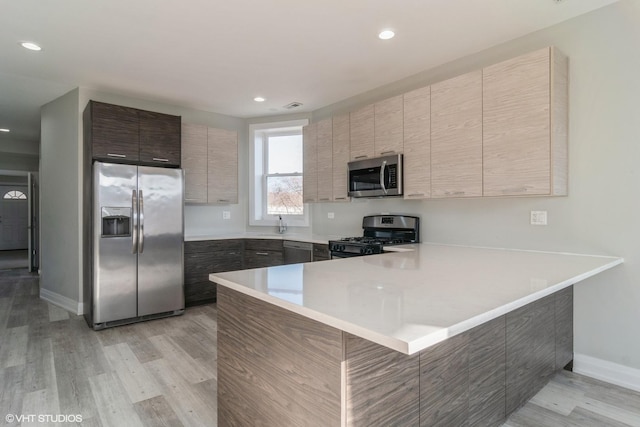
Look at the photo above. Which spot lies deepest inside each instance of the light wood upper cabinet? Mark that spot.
(524, 125)
(417, 143)
(362, 133)
(456, 136)
(324, 141)
(340, 157)
(194, 162)
(388, 126)
(222, 166)
(310, 164)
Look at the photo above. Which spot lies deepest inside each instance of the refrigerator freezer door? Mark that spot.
(160, 243)
(114, 260)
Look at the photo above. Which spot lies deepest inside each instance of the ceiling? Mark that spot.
(218, 55)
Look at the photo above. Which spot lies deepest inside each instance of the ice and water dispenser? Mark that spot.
(116, 222)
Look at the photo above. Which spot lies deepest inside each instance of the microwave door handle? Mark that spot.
(382, 184)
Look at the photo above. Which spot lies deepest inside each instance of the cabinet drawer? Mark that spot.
(262, 258)
(230, 245)
(263, 244)
(198, 266)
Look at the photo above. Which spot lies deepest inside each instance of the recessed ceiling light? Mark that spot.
(259, 99)
(4, 130)
(386, 34)
(30, 46)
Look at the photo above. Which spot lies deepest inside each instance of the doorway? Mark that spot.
(18, 207)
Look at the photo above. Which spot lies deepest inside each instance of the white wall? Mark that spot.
(60, 198)
(600, 215)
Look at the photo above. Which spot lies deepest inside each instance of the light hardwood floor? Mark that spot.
(163, 372)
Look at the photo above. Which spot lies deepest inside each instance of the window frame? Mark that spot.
(258, 173)
(266, 175)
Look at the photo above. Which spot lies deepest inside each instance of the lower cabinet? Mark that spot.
(204, 257)
(263, 253)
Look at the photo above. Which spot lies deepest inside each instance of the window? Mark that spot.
(15, 195)
(276, 181)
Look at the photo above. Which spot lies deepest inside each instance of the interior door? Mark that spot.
(13, 217)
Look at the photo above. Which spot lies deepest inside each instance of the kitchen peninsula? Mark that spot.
(429, 335)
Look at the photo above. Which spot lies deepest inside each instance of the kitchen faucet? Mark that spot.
(282, 227)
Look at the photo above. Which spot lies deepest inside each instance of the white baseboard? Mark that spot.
(610, 372)
(61, 301)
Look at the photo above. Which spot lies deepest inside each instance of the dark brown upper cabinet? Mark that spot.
(128, 135)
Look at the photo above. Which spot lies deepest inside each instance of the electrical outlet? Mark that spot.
(538, 217)
(331, 215)
(226, 214)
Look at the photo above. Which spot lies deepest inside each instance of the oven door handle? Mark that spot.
(382, 169)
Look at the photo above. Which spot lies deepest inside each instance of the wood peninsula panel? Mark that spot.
(340, 157)
(275, 368)
(325, 160)
(444, 383)
(530, 350)
(487, 375)
(456, 136)
(564, 327)
(194, 162)
(383, 385)
(388, 126)
(417, 143)
(222, 154)
(310, 163)
(361, 127)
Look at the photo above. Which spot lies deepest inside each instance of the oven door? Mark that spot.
(338, 255)
(377, 177)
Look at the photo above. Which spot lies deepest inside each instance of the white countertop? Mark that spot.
(412, 299)
(298, 237)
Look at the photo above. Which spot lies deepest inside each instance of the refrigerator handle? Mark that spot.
(141, 232)
(134, 211)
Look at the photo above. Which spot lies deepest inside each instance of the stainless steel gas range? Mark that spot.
(379, 231)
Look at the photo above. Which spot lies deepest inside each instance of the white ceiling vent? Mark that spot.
(293, 105)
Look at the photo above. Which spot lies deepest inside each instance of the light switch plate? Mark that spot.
(226, 214)
(538, 217)
(331, 215)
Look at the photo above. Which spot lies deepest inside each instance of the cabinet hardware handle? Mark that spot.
(388, 152)
(309, 200)
(223, 200)
(454, 193)
(341, 198)
(116, 155)
(515, 190)
(416, 194)
(324, 199)
(262, 253)
(191, 199)
(360, 157)
(158, 159)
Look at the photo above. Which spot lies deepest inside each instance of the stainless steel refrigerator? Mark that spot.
(137, 244)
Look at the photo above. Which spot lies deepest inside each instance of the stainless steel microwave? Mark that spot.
(377, 177)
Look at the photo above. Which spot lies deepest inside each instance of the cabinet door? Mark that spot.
(516, 126)
(194, 162)
(340, 157)
(325, 160)
(456, 136)
(310, 164)
(114, 132)
(362, 133)
(262, 258)
(388, 124)
(159, 139)
(222, 154)
(417, 143)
